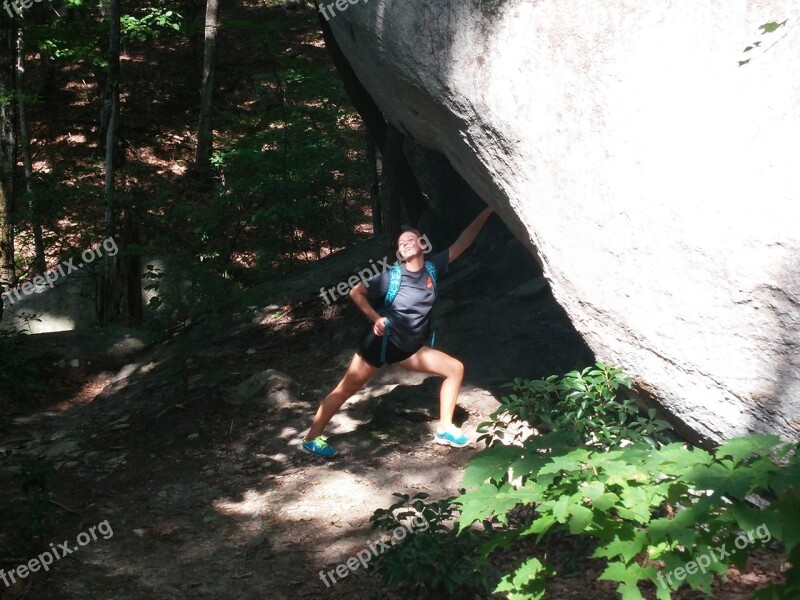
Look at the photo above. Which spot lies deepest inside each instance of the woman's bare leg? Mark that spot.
(357, 374)
(429, 360)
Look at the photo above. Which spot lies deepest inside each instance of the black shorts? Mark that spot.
(370, 350)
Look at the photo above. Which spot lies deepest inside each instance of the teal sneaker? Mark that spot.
(319, 447)
(447, 438)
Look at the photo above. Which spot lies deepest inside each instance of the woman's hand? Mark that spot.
(380, 326)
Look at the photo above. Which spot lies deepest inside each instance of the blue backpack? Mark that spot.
(395, 277)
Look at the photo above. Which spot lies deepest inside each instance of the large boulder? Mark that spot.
(655, 178)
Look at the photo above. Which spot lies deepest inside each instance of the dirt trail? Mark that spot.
(208, 498)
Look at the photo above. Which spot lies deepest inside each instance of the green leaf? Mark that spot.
(606, 501)
(624, 548)
(743, 447)
(679, 529)
(559, 508)
(720, 479)
(541, 525)
(790, 525)
(490, 464)
(627, 575)
(788, 483)
(592, 490)
(478, 504)
(629, 591)
(572, 462)
(580, 519)
(636, 503)
(772, 26)
(487, 501)
(700, 580)
(526, 582)
(663, 592)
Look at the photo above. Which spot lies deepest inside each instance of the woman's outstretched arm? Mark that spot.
(468, 236)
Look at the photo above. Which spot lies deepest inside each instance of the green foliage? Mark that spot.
(648, 511)
(73, 40)
(150, 25)
(9, 95)
(434, 557)
(286, 183)
(526, 581)
(771, 26)
(587, 403)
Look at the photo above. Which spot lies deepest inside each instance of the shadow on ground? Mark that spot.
(213, 499)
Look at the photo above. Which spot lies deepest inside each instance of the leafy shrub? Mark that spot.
(147, 27)
(649, 511)
(586, 402)
(435, 557)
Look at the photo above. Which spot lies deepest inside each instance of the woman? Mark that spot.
(407, 325)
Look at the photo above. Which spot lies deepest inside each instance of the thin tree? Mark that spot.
(109, 301)
(373, 182)
(25, 145)
(8, 155)
(391, 190)
(204, 131)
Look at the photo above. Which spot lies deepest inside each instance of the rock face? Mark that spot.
(655, 179)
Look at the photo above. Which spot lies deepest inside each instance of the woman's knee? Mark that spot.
(353, 382)
(356, 376)
(456, 369)
(348, 386)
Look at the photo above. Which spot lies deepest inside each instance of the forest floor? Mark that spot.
(204, 493)
(208, 495)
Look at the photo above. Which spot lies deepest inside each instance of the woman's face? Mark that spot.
(408, 245)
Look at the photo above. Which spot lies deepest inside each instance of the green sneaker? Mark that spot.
(319, 447)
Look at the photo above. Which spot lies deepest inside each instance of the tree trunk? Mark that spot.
(390, 196)
(24, 138)
(132, 267)
(8, 157)
(373, 181)
(109, 301)
(204, 131)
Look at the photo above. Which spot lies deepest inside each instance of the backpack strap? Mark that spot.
(432, 272)
(395, 277)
